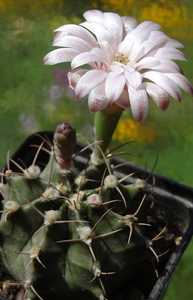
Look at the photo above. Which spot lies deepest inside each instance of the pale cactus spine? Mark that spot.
(71, 234)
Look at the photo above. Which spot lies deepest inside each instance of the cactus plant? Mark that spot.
(71, 234)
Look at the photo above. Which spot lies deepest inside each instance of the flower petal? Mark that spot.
(158, 38)
(114, 86)
(129, 23)
(137, 51)
(158, 64)
(181, 81)
(134, 78)
(117, 69)
(97, 99)
(171, 53)
(164, 82)
(72, 42)
(78, 31)
(89, 81)
(139, 103)
(102, 34)
(86, 58)
(75, 76)
(165, 65)
(125, 47)
(114, 23)
(159, 95)
(123, 101)
(60, 55)
(174, 44)
(147, 63)
(107, 50)
(94, 15)
(142, 31)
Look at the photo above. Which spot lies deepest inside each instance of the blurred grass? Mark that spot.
(31, 99)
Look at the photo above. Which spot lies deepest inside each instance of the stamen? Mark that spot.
(120, 57)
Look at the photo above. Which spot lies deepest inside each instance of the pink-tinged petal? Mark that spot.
(104, 36)
(139, 103)
(123, 101)
(159, 95)
(174, 44)
(114, 86)
(171, 53)
(105, 56)
(164, 82)
(125, 47)
(60, 55)
(129, 23)
(137, 51)
(107, 49)
(130, 67)
(94, 15)
(158, 37)
(86, 58)
(148, 46)
(158, 64)
(89, 81)
(117, 69)
(78, 31)
(114, 24)
(167, 65)
(97, 99)
(147, 63)
(181, 81)
(72, 42)
(134, 78)
(88, 26)
(75, 76)
(142, 31)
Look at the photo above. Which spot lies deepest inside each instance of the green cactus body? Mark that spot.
(62, 238)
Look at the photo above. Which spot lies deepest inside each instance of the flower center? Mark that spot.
(120, 57)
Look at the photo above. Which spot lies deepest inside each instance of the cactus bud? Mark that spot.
(65, 140)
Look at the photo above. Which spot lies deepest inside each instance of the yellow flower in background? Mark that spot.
(171, 14)
(134, 131)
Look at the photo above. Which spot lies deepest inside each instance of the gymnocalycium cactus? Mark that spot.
(68, 234)
(74, 234)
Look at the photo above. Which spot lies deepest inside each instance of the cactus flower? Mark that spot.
(129, 63)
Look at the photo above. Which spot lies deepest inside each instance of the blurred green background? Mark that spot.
(34, 97)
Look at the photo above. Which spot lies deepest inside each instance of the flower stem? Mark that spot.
(105, 124)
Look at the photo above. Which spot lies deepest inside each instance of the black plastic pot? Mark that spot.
(177, 198)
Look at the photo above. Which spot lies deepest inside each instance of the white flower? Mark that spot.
(128, 63)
